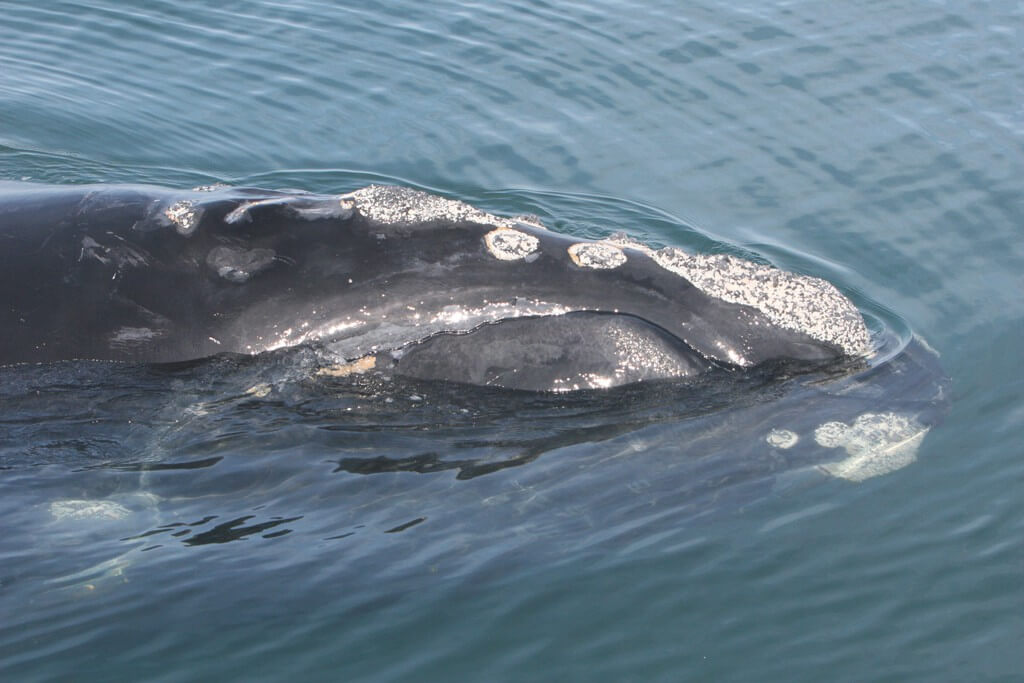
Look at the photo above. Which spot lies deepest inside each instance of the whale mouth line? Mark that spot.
(538, 317)
(564, 352)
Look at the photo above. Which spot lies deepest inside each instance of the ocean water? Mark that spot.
(234, 520)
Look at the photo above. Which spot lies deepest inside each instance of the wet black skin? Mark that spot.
(98, 272)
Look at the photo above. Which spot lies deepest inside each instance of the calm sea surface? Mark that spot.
(233, 520)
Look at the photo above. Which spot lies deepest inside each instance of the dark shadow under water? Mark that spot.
(109, 469)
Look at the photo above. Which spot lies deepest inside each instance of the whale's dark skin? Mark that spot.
(140, 273)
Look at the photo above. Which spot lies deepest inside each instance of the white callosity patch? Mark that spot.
(795, 302)
(507, 244)
(596, 255)
(782, 438)
(390, 204)
(876, 443)
(184, 216)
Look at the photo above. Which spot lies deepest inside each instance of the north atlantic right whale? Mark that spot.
(396, 280)
(388, 278)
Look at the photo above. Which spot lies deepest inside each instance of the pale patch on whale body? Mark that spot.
(507, 244)
(596, 255)
(795, 302)
(391, 204)
(782, 438)
(184, 216)
(876, 443)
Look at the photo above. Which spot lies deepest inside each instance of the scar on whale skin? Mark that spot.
(237, 264)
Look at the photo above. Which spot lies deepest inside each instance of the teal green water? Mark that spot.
(879, 145)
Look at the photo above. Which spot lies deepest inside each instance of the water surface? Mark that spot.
(323, 533)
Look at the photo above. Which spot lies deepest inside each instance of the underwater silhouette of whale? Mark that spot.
(387, 277)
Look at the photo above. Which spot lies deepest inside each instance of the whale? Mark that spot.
(389, 279)
(253, 332)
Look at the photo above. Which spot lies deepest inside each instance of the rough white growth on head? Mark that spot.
(876, 443)
(598, 255)
(184, 216)
(391, 204)
(782, 438)
(210, 188)
(507, 244)
(795, 302)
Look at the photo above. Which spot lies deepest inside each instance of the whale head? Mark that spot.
(425, 286)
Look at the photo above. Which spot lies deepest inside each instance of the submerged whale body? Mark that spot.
(387, 278)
